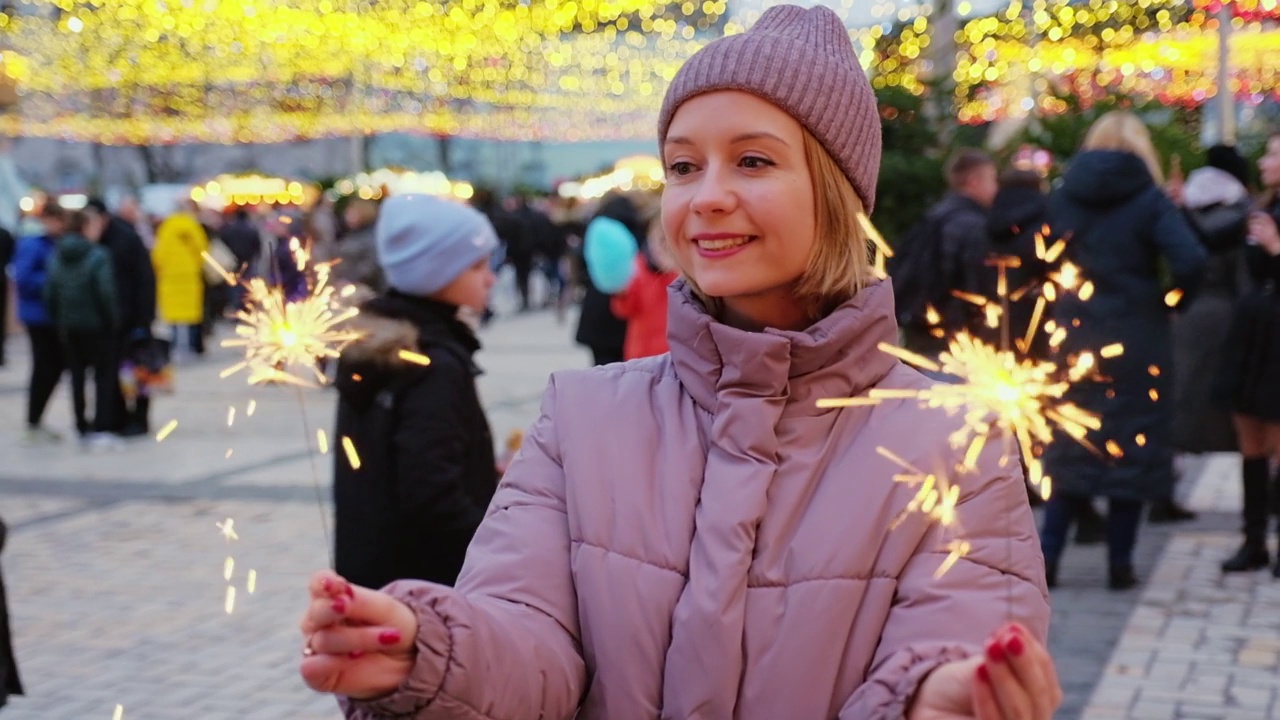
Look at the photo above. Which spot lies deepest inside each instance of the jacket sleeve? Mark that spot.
(964, 243)
(30, 268)
(936, 620)
(144, 279)
(504, 644)
(104, 288)
(1179, 246)
(431, 446)
(47, 290)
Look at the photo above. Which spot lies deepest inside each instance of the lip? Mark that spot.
(720, 236)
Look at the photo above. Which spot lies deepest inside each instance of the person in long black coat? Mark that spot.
(1251, 374)
(1121, 227)
(10, 683)
(426, 468)
(136, 298)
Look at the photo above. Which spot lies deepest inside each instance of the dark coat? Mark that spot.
(1201, 421)
(135, 278)
(31, 272)
(80, 293)
(1017, 214)
(10, 684)
(427, 468)
(1121, 228)
(1250, 379)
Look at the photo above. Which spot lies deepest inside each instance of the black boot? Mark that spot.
(1253, 554)
(1167, 510)
(1121, 577)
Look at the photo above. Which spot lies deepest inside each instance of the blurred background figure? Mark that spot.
(31, 272)
(179, 267)
(1251, 370)
(356, 250)
(643, 303)
(1121, 227)
(80, 295)
(10, 683)
(8, 245)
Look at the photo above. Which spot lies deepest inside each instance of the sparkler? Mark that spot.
(936, 498)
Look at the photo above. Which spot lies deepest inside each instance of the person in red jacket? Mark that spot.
(643, 304)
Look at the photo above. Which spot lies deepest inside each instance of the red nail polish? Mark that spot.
(389, 637)
(1014, 646)
(356, 655)
(983, 674)
(326, 584)
(350, 591)
(995, 652)
(340, 605)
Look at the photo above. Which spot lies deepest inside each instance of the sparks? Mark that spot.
(1173, 297)
(281, 338)
(413, 357)
(227, 456)
(1113, 350)
(248, 411)
(228, 567)
(119, 713)
(166, 430)
(323, 441)
(231, 415)
(350, 449)
(936, 498)
(230, 603)
(252, 583)
(228, 528)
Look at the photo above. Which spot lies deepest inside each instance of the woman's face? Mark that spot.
(1269, 164)
(738, 207)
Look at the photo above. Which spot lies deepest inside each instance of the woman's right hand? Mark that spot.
(356, 641)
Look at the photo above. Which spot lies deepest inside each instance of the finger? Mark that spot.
(365, 677)
(344, 639)
(1036, 651)
(323, 612)
(985, 706)
(1029, 669)
(1010, 695)
(327, 583)
(374, 607)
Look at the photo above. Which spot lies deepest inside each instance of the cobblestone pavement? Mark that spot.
(116, 567)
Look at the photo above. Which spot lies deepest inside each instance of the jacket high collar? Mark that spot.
(838, 356)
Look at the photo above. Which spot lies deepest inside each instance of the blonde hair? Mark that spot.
(1122, 130)
(840, 264)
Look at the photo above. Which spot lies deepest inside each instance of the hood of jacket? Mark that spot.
(394, 322)
(1102, 178)
(838, 356)
(1209, 186)
(73, 248)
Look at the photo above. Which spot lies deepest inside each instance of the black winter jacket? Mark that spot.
(1130, 240)
(135, 278)
(427, 470)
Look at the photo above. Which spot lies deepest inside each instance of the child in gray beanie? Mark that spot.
(407, 400)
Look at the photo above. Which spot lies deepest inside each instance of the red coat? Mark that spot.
(643, 304)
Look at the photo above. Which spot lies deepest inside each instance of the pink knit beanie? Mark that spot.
(802, 61)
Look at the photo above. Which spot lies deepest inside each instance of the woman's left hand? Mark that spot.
(1015, 679)
(1262, 228)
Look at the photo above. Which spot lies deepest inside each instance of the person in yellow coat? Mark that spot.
(180, 240)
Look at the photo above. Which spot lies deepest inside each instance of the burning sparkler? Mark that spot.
(936, 498)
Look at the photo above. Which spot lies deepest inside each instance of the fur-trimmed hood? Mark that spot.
(381, 339)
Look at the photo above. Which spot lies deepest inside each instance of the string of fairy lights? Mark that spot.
(140, 71)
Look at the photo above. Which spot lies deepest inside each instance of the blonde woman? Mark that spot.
(689, 536)
(1121, 225)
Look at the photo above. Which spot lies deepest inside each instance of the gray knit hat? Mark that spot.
(802, 61)
(425, 242)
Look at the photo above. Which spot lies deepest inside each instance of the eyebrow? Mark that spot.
(743, 137)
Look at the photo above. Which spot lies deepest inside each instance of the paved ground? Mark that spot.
(116, 567)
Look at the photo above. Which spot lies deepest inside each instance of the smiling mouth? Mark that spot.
(725, 243)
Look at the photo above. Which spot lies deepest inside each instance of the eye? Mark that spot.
(680, 167)
(753, 162)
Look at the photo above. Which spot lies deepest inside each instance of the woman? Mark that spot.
(1252, 370)
(730, 553)
(1120, 225)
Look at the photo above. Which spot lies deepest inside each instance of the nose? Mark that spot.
(714, 193)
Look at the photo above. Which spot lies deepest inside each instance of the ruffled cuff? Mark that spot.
(434, 647)
(888, 692)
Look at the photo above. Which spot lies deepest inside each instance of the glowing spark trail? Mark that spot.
(350, 449)
(228, 566)
(228, 528)
(252, 583)
(119, 713)
(166, 430)
(936, 498)
(230, 603)
(323, 441)
(413, 357)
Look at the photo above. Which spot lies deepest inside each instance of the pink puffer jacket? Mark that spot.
(689, 536)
